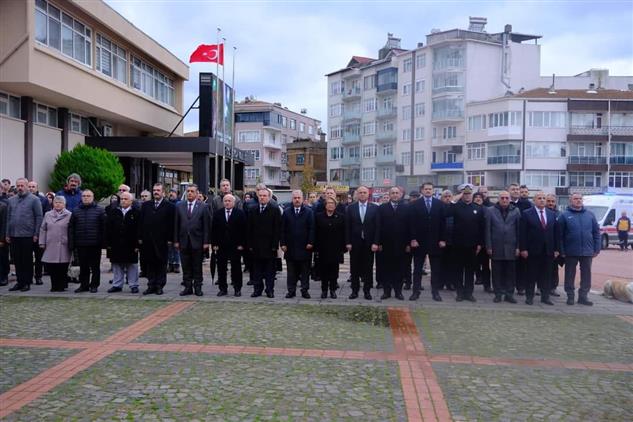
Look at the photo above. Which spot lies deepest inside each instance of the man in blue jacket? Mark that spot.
(579, 244)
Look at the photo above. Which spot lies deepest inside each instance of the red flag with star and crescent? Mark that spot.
(213, 53)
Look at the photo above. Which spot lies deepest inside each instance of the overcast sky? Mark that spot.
(284, 48)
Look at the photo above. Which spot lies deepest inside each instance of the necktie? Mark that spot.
(428, 204)
(228, 214)
(362, 213)
(543, 224)
(261, 209)
(394, 205)
(297, 211)
(190, 209)
(156, 204)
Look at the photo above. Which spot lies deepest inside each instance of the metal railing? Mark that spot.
(590, 159)
(505, 159)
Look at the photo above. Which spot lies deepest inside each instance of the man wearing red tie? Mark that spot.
(538, 242)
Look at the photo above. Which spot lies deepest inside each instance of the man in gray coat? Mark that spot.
(24, 217)
(502, 244)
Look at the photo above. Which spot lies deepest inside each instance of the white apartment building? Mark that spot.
(264, 129)
(401, 119)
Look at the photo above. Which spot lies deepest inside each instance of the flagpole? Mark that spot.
(223, 168)
(217, 100)
(232, 119)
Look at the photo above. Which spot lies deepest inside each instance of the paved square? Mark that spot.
(175, 386)
(297, 326)
(535, 335)
(19, 364)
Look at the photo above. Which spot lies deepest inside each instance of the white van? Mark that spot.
(607, 208)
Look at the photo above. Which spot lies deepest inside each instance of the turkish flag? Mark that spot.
(208, 53)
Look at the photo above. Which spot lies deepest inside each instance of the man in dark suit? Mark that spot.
(426, 224)
(297, 241)
(362, 237)
(519, 199)
(538, 242)
(192, 224)
(229, 239)
(156, 232)
(393, 244)
(264, 225)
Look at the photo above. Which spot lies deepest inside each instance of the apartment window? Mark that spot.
(449, 132)
(448, 57)
(45, 115)
(335, 111)
(293, 123)
(387, 103)
(284, 158)
(9, 105)
(448, 107)
(476, 151)
(368, 174)
(310, 130)
(336, 132)
(547, 119)
(406, 89)
(419, 109)
(506, 118)
(509, 153)
(406, 134)
(255, 153)
(388, 126)
(406, 65)
(545, 149)
(406, 112)
(369, 151)
(448, 81)
(369, 105)
(418, 158)
(106, 129)
(369, 128)
(387, 173)
(272, 155)
(477, 122)
(284, 121)
(151, 82)
(336, 153)
(476, 178)
(352, 130)
(369, 82)
(353, 152)
(585, 179)
(284, 139)
(248, 136)
(545, 179)
(110, 59)
(419, 86)
(387, 149)
(621, 179)
(405, 158)
(79, 124)
(300, 159)
(337, 88)
(62, 32)
(420, 60)
(302, 127)
(251, 173)
(419, 133)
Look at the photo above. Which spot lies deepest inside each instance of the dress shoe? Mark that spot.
(470, 298)
(553, 292)
(520, 292)
(537, 293)
(497, 299)
(488, 290)
(237, 293)
(354, 295)
(290, 295)
(367, 295)
(323, 295)
(159, 291)
(570, 300)
(81, 289)
(197, 290)
(270, 295)
(546, 301)
(407, 286)
(149, 291)
(256, 294)
(177, 269)
(436, 297)
(134, 290)
(584, 301)
(510, 299)
(414, 296)
(385, 296)
(459, 298)
(186, 292)
(529, 301)
(27, 288)
(114, 289)
(332, 294)
(399, 296)
(38, 281)
(93, 290)
(15, 288)
(305, 295)
(222, 293)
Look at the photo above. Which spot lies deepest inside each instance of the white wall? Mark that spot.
(11, 148)
(47, 145)
(75, 139)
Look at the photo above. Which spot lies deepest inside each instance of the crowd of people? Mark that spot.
(512, 247)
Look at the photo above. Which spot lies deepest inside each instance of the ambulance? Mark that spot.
(608, 208)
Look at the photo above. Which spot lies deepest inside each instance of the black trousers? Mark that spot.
(4, 261)
(419, 256)
(361, 266)
(585, 274)
(448, 268)
(483, 268)
(89, 266)
(380, 268)
(328, 271)
(224, 257)
(57, 272)
(298, 270)
(22, 253)
(521, 273)
(408, 261)
(537, 266)
(392, 268)
(554, 275)
(37, 264)
(191, 262)
(623, 237)
(465, 261)
(156, 270)
(263, 272)
(503, 277)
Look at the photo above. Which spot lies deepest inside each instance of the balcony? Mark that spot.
(268, 126)
(272, 144)
(505, 159)
(448, 116)
(352, 74)
(455, 165)
(350, 161)
(621, 159)
(622, 130)
(389, 88)
(584, 159)
(449, 142)
(447, 89)
(351, 115)
(350, 138)
(584, 130)
(351, 182)
(387, 113)
(352, 94)
(386, 136)
(268, 162)
(385, 159)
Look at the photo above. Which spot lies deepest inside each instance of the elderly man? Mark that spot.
(297, 241)
(394, 244)
(502, 244)
(24, 217)
(86, 234)
(229, 240)
(225, 189)
(37, 251)
(72, 191)
(579, 244)
(122, 243)
(192, 228)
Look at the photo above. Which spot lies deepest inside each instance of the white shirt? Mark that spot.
(125, 210)
(542, 212)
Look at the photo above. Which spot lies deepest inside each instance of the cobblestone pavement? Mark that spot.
(526, 335)
(297, 326)
(19, 364)
(485, 393)
(170, 386)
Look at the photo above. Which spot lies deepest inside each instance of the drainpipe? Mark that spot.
(504, 47)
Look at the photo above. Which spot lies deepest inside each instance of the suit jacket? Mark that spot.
(156, 228)
(393, 234)
(263, 231)
(534, 238)
(502, 235)
(356, 231)
(297, 231)
(469, 224)
(229, 235)
(427, 228)
(192, 231)
(121, 235)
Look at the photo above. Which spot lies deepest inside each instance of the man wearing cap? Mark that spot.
(468, 239)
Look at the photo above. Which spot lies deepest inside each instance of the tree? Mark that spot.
(307, 183)
(100, 170)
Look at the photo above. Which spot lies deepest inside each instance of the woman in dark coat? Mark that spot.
(329, 245)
